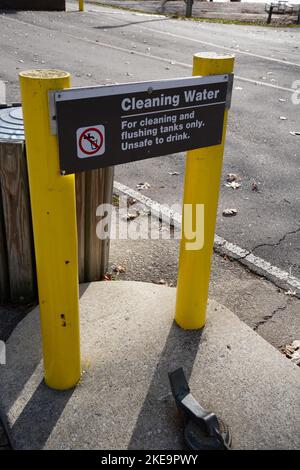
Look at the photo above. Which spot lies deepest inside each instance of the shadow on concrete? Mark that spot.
(124, 25)
(39, 417)
(8, 12)
(159, 422)
(45, 406)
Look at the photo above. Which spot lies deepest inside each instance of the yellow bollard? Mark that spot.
(55, 234)
(81, 5)
(202, 184)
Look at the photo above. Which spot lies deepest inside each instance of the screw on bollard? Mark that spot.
(189, 7)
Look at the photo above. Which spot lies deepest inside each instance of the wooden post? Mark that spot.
(92, 189)
(17, 260)
(4, 285)
(270, 14)
(107, 199)
(17, 222)
(189, 8)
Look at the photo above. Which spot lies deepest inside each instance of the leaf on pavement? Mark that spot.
(292, 293)
(131, 216)
(231, 177)
(119, 269)
(144, 185)
(292, 352)
(130, 201)
(233, 185)
(229, 212)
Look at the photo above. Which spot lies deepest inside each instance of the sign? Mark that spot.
(114, 124)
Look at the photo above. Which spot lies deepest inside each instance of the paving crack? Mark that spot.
(292, 232)
(270, 315)
(249, 252)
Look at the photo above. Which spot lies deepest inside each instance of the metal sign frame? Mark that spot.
(79, 97)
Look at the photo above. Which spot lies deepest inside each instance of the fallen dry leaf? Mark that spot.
(145, 185)
(130, 201)
(254, 186)
(292, 293)
(131, 215)
(229, 212)
(231, 177)
(119, 269)
(108, 277)
(116, 200)
(233, 185)
(292, 352)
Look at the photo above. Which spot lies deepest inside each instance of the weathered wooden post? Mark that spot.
(17, 272)
(17, 261)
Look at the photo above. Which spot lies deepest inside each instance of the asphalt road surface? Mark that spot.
(104, 45)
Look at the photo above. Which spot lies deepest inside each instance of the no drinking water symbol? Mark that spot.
(90, 141)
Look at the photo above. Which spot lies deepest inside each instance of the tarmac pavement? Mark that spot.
(260, 148)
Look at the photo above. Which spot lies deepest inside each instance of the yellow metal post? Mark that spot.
(55, 234)
(81, 5)
(202, 184)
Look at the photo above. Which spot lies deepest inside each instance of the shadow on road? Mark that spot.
(124, 25)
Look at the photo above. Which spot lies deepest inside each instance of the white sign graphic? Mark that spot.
(90, 141)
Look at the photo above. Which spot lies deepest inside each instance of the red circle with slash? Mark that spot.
(97, 145)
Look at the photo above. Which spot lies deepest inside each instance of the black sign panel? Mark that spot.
(109, 125)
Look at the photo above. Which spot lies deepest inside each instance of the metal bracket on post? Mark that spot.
(229, 90)
(52, 112)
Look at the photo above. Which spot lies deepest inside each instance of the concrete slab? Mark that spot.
(129, 343)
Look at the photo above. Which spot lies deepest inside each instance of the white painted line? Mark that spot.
(206, 43)
(143, 54)
(253, 262)
(168, 61)
(218, 46)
